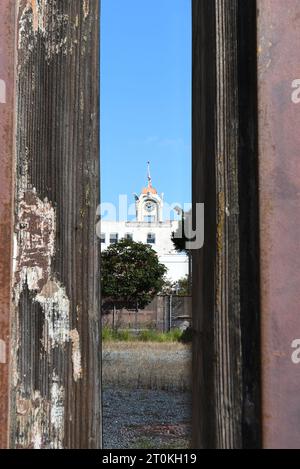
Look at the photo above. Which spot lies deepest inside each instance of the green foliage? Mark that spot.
(168, 287)
(180, 288)
(183, 286)
(109, 335)
(150, 335)
(131, 274)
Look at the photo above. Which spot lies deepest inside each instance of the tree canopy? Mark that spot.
(180, 288)
(131, 274)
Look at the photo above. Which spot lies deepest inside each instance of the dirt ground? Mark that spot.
(147, 397)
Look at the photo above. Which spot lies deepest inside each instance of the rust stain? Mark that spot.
(33, 5)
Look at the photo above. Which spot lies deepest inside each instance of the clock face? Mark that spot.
(149, 206)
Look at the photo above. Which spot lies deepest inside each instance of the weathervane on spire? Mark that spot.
(149, 175)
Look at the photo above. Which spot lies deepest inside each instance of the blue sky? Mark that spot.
(146, 97)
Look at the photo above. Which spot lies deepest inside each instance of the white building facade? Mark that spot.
(149, 228)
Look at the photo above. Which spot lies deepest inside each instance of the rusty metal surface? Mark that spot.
(55, 334)
(279, 173)
(7, 27)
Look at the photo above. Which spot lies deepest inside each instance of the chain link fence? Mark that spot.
(164, 313)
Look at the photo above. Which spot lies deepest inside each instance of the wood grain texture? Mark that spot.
(225, 403)
(56, 346)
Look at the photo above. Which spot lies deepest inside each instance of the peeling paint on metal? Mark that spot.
(2, 92)
(86, 8)
(76, 354)
(42, 18)
(56, 307)
(34, 248)
(57, 412)
(32, 414)
(2, 351)
(34, 242)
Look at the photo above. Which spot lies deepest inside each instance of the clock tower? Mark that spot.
(149, 205)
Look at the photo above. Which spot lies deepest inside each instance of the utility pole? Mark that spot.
(50, 349)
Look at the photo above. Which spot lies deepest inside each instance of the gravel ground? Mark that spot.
(151, 419)
(147, 397)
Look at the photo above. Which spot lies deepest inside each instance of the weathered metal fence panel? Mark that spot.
(279, 171)
(226, 400)
(55, 378)
(54, 318)
(7, 91)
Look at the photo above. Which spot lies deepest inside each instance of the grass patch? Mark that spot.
(147, 365)
(150, 335)
(109, 335)
(149, 443)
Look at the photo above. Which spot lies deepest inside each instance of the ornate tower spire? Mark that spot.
(149, 175)
(149, 205)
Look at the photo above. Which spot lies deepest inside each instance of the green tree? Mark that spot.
(183, 286)
(179, 288)
(131, 274)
